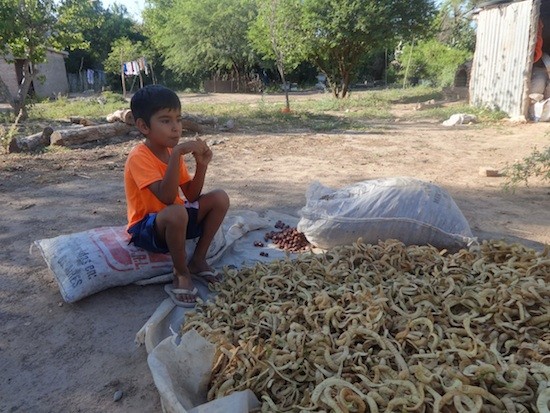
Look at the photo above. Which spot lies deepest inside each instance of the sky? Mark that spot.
(134, 7)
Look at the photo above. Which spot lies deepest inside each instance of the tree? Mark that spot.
(112, 23)
(453, 27)
(30, 27)
(339, 32)
(275, 35)
(122, 50)
(432, 61)
(202, 36)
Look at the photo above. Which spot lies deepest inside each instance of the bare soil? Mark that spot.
(59, 357)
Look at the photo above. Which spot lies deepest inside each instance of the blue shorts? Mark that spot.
(144, 235)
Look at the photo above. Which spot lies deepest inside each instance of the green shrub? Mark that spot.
(537, 164)
(431, 62)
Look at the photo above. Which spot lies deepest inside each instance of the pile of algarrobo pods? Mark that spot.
(385, 328)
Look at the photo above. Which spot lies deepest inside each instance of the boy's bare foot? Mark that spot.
(201, 269)
(184, 282)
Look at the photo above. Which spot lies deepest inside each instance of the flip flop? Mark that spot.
(173, 292)
(204, 275)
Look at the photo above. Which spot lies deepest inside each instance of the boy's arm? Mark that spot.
(166, 189)
(193, 188)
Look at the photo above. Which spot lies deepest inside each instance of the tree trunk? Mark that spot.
(282, 73)
(67, 137)
(20, 104)
(31, 142)
(345, 83)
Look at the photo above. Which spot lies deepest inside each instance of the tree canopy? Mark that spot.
(275, 35)
(207, 36)
(201, 36)
(339, 32)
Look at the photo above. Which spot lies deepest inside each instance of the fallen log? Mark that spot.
(81, 121)
(191, 126)
(67, 137)
(122, 115)
(201, 120)
(31, 142)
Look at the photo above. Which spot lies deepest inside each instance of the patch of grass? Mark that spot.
(93, 107)
(318, 113)
(443, 113)
(408, 95)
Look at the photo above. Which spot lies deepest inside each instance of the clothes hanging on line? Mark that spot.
(134, 67)
(90, 76)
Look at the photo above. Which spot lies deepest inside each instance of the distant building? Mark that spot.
(50, 82)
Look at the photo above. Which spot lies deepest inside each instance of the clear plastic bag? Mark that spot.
(407, 209)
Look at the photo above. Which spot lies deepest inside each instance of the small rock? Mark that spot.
(488, 171)
(117, 396)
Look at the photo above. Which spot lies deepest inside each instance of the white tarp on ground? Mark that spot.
(181, 367)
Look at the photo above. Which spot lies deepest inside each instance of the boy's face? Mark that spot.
(164, 128)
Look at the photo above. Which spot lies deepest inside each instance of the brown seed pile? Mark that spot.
(288, 238)
(386, 328)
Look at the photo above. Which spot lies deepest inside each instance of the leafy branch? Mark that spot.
(537, 164)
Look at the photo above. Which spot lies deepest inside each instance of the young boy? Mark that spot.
(159, 219)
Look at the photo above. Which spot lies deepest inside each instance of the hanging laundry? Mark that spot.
(128, 68)
(135, 68)
(90, 76)
(145, 67)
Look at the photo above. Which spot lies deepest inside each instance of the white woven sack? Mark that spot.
(87, 262)
(407, 209)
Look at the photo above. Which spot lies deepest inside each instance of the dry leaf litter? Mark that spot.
(386, 328)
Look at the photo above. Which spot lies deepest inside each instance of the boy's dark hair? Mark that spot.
(150, 99)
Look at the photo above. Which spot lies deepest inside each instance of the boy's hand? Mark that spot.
(202, 153)
(193, 147)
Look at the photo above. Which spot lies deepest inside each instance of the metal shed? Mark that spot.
(503, 59)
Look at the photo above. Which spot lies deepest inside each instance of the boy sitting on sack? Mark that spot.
(159, 219)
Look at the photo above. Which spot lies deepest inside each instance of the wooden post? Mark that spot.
(122, 75)
(408, 65)
(153, 74)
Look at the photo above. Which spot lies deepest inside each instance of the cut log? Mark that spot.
(81, 121)
(122, 115)
(31, 142)
(191, 126)
(67, 137)
(201, 120)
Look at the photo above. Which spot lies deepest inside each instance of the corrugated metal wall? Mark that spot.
(504, 56)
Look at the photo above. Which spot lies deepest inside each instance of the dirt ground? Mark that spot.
(59, 357)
